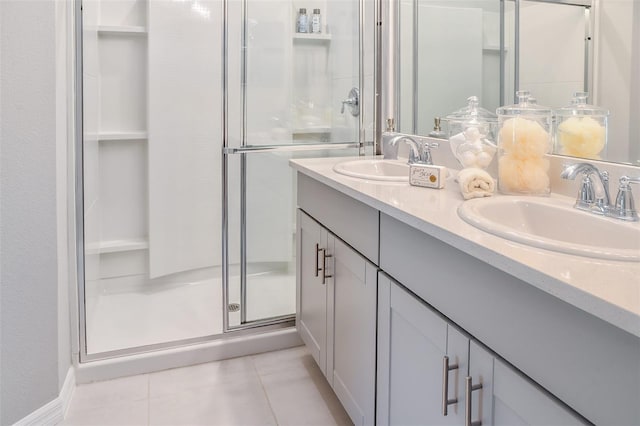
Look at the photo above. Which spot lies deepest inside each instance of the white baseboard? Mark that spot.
(53, 412)
(66, 393)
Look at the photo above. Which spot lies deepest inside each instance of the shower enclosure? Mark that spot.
(188, 112)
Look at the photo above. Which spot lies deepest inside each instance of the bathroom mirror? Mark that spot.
(449, 50)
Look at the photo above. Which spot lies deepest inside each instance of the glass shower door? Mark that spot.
(285, 95)
(149, 106)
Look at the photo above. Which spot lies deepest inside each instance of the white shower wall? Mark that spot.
(185, 129)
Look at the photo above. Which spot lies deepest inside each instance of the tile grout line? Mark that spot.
(266, 394)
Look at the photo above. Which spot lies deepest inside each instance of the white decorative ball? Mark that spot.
(483, 159)
(468, 159)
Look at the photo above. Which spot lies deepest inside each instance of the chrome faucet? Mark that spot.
(420, 147)
(624, 207)
(587, 199)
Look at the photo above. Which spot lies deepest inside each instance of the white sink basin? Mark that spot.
(381, 170)
(553, 224)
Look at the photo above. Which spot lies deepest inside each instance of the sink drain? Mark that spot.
(234, 307)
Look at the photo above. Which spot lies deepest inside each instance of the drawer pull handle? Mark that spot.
(324, 266)
(318, 269)
(445, 385)
(468, 388)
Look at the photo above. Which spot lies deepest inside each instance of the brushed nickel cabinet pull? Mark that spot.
(469, 387)
(318, 269)
(445, 385)
(324, 266)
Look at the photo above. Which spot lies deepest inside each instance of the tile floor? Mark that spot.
(276, 388)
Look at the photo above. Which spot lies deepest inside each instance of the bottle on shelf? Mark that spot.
(391, 127)
(302, 23)
(316, 22)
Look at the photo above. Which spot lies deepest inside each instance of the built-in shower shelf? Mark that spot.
(114, 246)
(121, 29)
(311, 130)
(118, 136)
(491, 48)
(317, 37)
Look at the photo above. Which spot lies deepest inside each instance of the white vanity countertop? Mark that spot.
(609, 290)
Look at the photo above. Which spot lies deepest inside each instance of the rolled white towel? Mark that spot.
(475, 183)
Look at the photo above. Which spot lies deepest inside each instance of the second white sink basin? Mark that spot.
(553, 224)
(375, 169)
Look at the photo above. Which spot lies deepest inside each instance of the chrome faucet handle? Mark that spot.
(587, 194)
(586, 199)
(624, 207)
(426, 157)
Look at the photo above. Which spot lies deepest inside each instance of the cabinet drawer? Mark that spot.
(589, 364)
(354, 222)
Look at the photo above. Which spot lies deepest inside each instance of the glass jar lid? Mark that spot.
(579, 106)
(524, 106)
(472, 113)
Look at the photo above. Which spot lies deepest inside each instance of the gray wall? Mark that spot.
(64, 103)
(28, 238)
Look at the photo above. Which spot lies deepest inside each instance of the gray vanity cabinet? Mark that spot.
(587, 363)
(421, 359)
(539, 359)
(336, 315)
(351, 362)
(311, 312)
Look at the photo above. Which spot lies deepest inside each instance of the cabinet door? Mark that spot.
(311, 316)
(351, 359)
(508, 398)
(412, 342)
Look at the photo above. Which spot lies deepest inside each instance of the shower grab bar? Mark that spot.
(287, 148)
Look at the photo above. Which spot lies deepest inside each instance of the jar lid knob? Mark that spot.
(523, 96)
(580, 98)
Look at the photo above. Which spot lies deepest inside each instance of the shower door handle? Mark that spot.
(261, 149)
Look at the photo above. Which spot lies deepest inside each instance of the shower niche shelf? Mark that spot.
(115, 246)
(311, 130)
(117, 136)
(122, 30)
(115, 150)
(312, 37)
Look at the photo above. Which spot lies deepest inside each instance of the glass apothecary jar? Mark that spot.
(524, 140)
(581, 129)
(472, 135)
